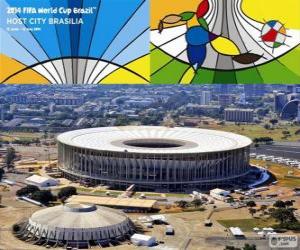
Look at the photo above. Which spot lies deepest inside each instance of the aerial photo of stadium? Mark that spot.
(154, 158)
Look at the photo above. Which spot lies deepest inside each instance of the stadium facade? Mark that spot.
(154, 158)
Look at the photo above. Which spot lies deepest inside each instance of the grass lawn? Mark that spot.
(247, 225)
(137, 194)
(255, 130)
(177, 195)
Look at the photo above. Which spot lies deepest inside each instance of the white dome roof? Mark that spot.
(79, 222)
(142, 139)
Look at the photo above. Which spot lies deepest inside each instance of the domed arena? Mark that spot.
(76, 225)
(154, 158)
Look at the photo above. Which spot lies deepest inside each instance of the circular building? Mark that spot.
(290, 110)
(77, 225)
(154, 158)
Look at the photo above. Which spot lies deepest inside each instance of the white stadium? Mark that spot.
(154, 158)
(77, 225)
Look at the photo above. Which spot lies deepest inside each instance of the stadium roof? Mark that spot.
(80, 216)
(147, 139)
(113, 202)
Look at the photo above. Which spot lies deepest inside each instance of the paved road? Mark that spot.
(287, 151)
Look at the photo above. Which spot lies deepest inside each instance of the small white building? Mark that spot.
(143, 240)
(158, 218)
(219, 194)
(268, 230)
(236, 232)
(41, 181)
(169, 230)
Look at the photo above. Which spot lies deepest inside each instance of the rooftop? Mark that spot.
(113, 202)
(81, 216)
(39, 179)
(154, 139)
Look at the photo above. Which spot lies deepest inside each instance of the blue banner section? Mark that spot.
(41, 30)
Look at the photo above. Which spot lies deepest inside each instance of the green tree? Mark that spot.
(271, 210)
(279, 204)
(122, 121)
(286, 133)
(10, 157)
(66, 192)
(43, 196)
(252, 211)
(284, 215)
(288, 203)
(25, 191)
(45, 135)
(2, 172)
(230, 200)
(182, 204)
(249, 247)
(251, 204)
(231, 248)
(197, 203)
(273, 121)
(267, 126)
(263, 208)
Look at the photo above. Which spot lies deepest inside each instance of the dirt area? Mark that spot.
(188, 228)
(9, 216)
(40, 153)
(232, 214)
(283, 192)
(11, 212)
(190, 232)
(286, 176)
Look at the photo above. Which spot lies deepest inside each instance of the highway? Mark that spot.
(285, 150)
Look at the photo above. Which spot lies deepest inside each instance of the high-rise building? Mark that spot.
(298, 116)
(226, 100)
(52, 107)
(13, 108)
(2, 113)
(239, 115)
(280, 99)
(222, 88)
(260, 89)
(254, 90)
(205, 98)
(290, 89)
(242, 99)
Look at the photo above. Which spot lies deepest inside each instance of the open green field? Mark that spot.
(247, 225)
(254, 131)
(136, 195)
(250, 130)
